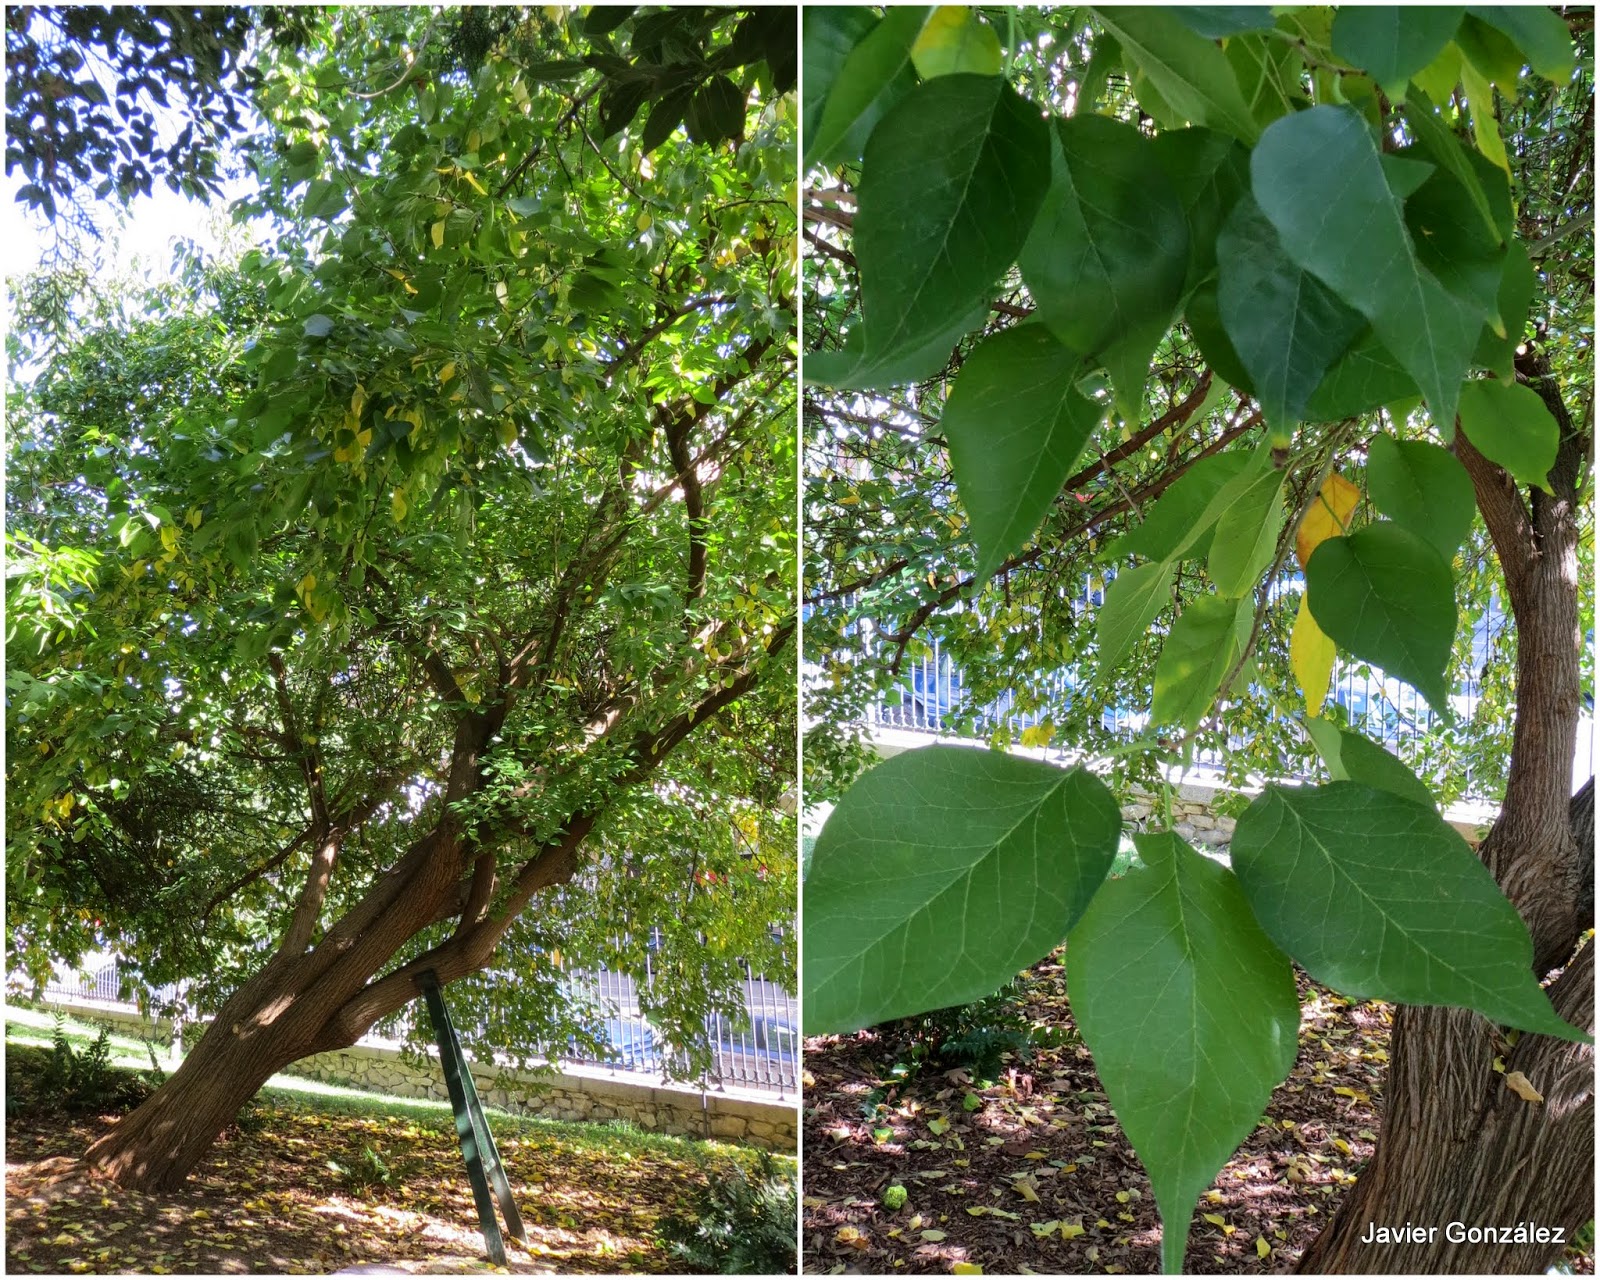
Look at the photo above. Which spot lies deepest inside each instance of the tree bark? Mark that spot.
(1457, 1145)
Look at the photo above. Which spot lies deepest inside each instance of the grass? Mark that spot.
(35, 1027)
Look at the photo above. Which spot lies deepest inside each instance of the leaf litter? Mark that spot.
(1029, 1173)
(283, 1197)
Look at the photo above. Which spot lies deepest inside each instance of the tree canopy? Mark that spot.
(1236, 317)
(438, 551)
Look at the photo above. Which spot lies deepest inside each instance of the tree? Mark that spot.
(1270, 325)
(416, 592)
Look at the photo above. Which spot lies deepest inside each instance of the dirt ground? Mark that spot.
(289, 1197)
(1029, 1173)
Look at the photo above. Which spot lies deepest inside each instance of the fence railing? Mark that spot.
(932, 696)
(760, 1052)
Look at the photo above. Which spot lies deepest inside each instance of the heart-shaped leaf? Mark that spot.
(1379, 897)
(1191, 1014)
(943, 872)
(1015, 424)
(1386, 596)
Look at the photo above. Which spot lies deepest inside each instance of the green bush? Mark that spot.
(742, 1224)
(84, 1079)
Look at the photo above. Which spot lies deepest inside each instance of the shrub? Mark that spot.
(363, 1171)
(742, 1224)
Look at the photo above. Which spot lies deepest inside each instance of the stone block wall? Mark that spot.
(572, 1093)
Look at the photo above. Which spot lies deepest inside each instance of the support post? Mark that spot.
(484, 1168)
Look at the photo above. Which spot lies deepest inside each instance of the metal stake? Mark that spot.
(472, 1127)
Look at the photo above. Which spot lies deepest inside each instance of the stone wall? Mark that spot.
(572, 1092)
(1192, 816)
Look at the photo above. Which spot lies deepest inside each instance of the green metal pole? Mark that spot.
(472, 1128)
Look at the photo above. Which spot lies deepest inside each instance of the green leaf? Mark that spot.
(940, 874)
(1446, 148)
(1518, 283)
(665, 116)
(1386, 596)
(716, 112)
(876, 75)
(955, 42)
(829, 33)
(1205, 326)
(1209, 171)
(1269, 70)
(1215, 22)
(1377, 896)
(1110, 248)
(1191, 1015)
(1318, 178)
(851, 367)
(1423, 489)
(1493, 53)
(1453, 244)
(1015, 424)
(318, 326)
(1188, 70)
(1509, 425)
(1366, 377)
(1536, 30)
(1205, 642)
(1287, 327)
(1132, 602)
(1367, 763)
(1392, 43)
(1174, 515)
(952, 179)
(1246, 535)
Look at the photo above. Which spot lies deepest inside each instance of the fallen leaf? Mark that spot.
(1520, 1085)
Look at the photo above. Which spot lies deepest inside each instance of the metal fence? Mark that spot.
(932, 696)
(759, 1051)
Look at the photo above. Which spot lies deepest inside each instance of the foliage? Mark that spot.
(91, 95)
(455, 515)
(1189, 348)
(362, 1169)
(742, 1223)
(74, 1079)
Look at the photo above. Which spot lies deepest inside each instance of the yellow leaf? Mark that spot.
(307, 585)
(1025, 1188)
(966, 1269)
(358, 400)
(933, 1237)
(1038, 735)
(447, 372)
(508, 433)
(1329, 516)
(476, 185)
(1123, 1197)
(643, 221)
(1214, 1196)
(1311, 653)
(1215, 1219)
(1072, 1230)
(398, 506)
(1262, 1247)
(438, 234)
(1520, 1085)
(193, 518)
(938, 1125)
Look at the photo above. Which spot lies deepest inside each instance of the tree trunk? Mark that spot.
(1460, 1151)
(154, 1147)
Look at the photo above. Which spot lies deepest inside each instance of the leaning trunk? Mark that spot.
(1495, 1182)
(155, 1146)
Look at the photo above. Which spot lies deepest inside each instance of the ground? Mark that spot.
(295, 1188)
(1028, 1172)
